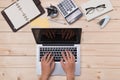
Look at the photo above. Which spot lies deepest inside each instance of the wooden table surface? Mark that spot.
(100, 48)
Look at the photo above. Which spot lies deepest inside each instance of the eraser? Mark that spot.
(104, 21)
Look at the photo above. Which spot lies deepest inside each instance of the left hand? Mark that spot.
(48, 65)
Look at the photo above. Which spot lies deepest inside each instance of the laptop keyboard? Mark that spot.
(66, 7)
(56, 52)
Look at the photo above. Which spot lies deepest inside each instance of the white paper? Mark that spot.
(15, 15)
(94, 3)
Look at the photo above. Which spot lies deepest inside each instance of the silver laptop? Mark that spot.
(56, 40)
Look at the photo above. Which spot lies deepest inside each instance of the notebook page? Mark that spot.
(29, 8)
(15, 16)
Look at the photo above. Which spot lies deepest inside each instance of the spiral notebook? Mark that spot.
(21, 12)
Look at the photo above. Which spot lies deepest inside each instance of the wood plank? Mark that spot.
(100, 49)
(86, 62)
(5, 3)
(87, 26)
(87, 37)
(18, 74)
(19, 38)
(17, 61)
(1, 17)
(100, 37)
(100, 62)
(92, 74)
(17, 50)
(86, 50)
(86, 74)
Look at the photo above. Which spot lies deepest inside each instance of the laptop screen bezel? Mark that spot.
(37, 39)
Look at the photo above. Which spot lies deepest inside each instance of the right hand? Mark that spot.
(69, 64)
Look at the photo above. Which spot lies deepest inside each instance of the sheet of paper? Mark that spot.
(40, 22)
(17, 14)
(29, 8)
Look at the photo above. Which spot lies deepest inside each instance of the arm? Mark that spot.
(47, 64)
(68, 65)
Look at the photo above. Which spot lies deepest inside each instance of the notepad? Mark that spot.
(96, 3)
(22, 12)
(40, 22)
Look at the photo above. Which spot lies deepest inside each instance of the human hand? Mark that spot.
(68, 65)
(47, 64)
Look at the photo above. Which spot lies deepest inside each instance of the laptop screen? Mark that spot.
(56, 35)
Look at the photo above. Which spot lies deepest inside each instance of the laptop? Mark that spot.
(54, 41)
(69, 10)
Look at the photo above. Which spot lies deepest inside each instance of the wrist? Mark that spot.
(70, 77)
(44, 77)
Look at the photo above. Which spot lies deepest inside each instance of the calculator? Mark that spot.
(69, 10)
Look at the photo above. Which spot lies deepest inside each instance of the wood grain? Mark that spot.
(86, 26)
(87, 74)
(87, 37)
(86, 50)
(86, 62)
(100, 48)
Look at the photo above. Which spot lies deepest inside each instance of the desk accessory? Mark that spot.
(104, 21)
(52, 11)
(69, 10)
(56, 21)
(21, 12)
(94, 8)
(40, 22)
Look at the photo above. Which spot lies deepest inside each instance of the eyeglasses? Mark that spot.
(90, 10)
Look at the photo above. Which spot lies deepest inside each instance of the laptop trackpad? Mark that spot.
(58, 70)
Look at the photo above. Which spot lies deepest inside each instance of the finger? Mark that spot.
(62, 63)
(53, 65)
(51, 59)
(45, 56)
(63, 55)
(42, 59)
(68, 55)
(48, 58)
(72, 56)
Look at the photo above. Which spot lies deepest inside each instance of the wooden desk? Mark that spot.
(100, 48)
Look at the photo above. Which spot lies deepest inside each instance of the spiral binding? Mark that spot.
(20, 9)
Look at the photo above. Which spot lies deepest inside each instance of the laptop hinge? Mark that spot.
(58, 44)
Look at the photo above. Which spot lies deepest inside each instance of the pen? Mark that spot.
(58, 22)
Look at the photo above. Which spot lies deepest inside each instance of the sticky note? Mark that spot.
(40, 22)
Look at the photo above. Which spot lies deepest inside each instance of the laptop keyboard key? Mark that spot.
(56, 52)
